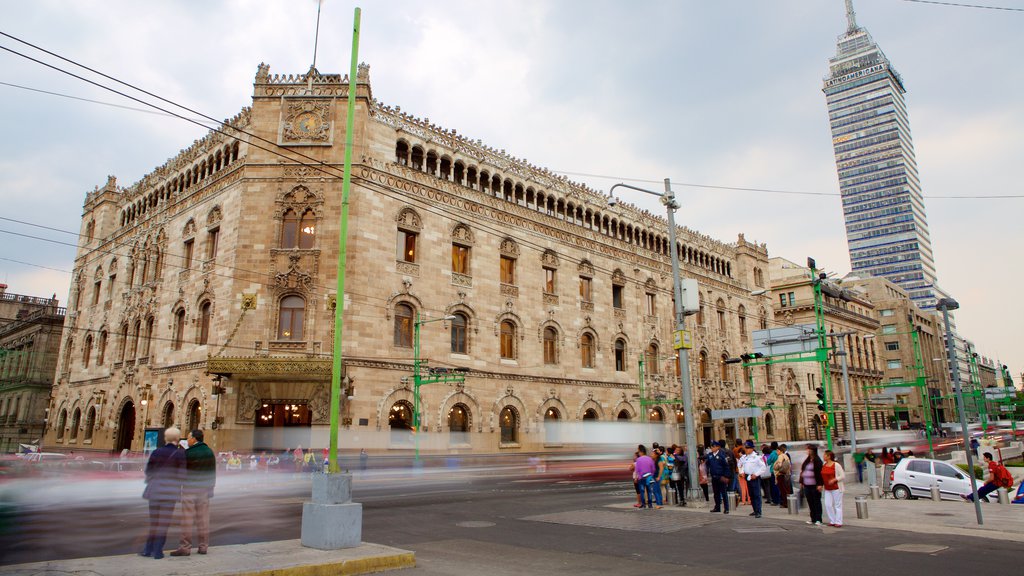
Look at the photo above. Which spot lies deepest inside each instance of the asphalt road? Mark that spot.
(463, 523)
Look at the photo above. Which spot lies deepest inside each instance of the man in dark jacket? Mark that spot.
(720, 473)
(196, 494)
(165, 472)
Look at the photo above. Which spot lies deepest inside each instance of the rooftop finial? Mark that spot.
(851, 17)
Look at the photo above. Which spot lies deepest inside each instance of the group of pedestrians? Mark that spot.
(175, 474)
(659, 476)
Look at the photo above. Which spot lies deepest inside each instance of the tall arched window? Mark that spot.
(90, 423)
(179, 329)
(149, 336)
(769, 424)
(205, 311)
(86, 351)
(741, 314)
(459, 326)
(700, 311)
(76, 419)
(720, 309)
(508, 340)
(307, 230)
(62, 420)
(587, 350)
(703, 364)
(403, 326)
(291, 323)
(550, 345)
(458, 418)
(289, 229)
(101, 352)
(509, 422)
(620, 355)
(167, 418)
(192, 422)
(652, 359)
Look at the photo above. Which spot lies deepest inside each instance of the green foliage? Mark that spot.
(979, 473)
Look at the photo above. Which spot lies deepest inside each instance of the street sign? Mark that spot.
(683, 339)
(900, 390)
(736, 413)
(797, 339)
(995, 393)
(1006, 408)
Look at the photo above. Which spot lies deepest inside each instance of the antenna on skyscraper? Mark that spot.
(851, 18)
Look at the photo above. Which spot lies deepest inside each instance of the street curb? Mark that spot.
(349, 567)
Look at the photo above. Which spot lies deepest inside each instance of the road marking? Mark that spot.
(918, 548)
(475, 524)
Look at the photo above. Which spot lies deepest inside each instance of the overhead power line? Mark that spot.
(960, 5)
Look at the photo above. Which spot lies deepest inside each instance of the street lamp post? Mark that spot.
(417, 379)
(841, 352)
(668, 198)
(947, 304)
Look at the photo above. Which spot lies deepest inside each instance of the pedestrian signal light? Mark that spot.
(824, 419)
(821, 398)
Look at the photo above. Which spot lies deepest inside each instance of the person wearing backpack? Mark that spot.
(998, 477)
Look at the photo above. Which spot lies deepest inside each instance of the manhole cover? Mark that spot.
(475, 524)
(759, 529)
(938, 514)
(919, 548)
(632, 520)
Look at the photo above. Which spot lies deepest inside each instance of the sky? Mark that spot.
(720, 93)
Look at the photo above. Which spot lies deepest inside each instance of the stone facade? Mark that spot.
(30, 331)
(793, 296)
(212, 283)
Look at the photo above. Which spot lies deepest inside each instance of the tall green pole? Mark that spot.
(416, 385)
(922, 387)
(339, 303)
(753, 399)
(826, 380)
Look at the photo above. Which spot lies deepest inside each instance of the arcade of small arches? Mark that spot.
(442, 166)
(70, 427)
(182, 182)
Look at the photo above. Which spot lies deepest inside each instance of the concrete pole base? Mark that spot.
(332, 521)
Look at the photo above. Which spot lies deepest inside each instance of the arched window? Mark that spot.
(459, 325)
(307, 230)
(76, 419)
(87, 351)
(590, 414)
(402, 153)
(656, 415)
(62, 420)
(620, 355)
(101, 351)
(289, 229)
(725, 368)
(167, 417)
(509, 423)
(720, 309)
(205, 311)
(136, 335)
(769, 424)
(703, 365)
(403, 325)
(149, 336)
(764, 319)
(741, 314)
(291, 325)
(587, 350)
(90, 423)
(508, 340)
(550, 345)
(623, 415)
(458, 419)
(194, 413)
(700, 311)
(652, 359)
(179, 330)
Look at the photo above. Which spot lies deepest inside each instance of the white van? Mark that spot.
(914, 477)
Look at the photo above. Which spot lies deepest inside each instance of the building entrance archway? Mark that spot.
(125, 427)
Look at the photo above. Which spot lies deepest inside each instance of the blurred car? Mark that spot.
(914, 477)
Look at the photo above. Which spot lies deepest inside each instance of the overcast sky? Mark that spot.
(722, 92)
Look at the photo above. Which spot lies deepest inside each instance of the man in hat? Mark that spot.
(720, 473)
(752, 467)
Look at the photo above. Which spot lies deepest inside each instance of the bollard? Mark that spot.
(936, 494)
(862, 507)
(876, 493)
(734, 498)
(1004, 496)
(793, 504)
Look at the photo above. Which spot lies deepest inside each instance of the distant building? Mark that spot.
(886, 228)
(793, 294)
(204, 294)
(30, 332)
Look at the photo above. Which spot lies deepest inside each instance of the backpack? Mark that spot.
(1002, 477)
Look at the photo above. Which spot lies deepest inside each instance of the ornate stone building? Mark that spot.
(793, 295)
(30, 330)
(207, 290)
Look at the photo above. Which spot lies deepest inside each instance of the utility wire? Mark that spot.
(959, 5)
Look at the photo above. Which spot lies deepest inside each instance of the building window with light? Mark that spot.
(291, 322)
(459, 326)
(205, 312)
(407, 246)
(620, 355)
(652, 358)
(550, 345)
(587, 351)
(508, 340)
(403, 326)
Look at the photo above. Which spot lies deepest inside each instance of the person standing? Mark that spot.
(646, 473)
(769, 492)
(679, 474)
(783, 469)
(702, 476)
(812, 483)
(721, 475)
(165, 472)
(739, 481)
(752, 467)
(832, 474)
(200, 478)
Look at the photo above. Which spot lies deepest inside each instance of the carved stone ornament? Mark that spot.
(586, 268)
(306, 121)
(248, 402)
(509, 248)
(787, 318)
(463, 280)
(294, 278)
(408, 219)
(549, 259)
(214, 216)
(320, 404)
(407, 268)
(463, 235)
(618, 277)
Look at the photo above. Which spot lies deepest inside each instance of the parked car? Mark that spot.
(914, 477)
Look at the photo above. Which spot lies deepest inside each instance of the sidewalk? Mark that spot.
(281, 558)
(1001, 522)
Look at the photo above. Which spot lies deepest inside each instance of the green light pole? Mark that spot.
(339, 303)
(745, 361)
(822, 351)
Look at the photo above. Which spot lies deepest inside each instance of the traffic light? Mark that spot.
(821, 399)
(824, 419)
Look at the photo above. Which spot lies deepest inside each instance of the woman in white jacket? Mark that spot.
(832, 473)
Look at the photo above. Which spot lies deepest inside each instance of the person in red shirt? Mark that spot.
(994, 479)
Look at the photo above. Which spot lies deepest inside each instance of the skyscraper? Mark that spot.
(886, 228)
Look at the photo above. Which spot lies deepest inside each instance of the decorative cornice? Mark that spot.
(269, 365)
